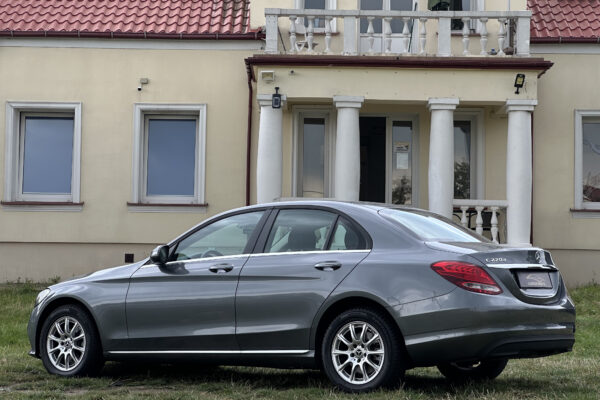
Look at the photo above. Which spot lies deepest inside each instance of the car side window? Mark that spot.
(347, 237)
(300, 230)
(225, 237)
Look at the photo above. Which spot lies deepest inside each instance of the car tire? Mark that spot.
(483, 370)
(69, 343)
(361, 351)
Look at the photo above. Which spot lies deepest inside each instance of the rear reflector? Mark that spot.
(467, 276)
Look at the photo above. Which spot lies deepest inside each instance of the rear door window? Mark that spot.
(347, 237)
(300, 230)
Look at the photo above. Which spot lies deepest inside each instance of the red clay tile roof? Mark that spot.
(559, 21)
(180, 19)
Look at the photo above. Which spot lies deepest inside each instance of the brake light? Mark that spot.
(467, 276)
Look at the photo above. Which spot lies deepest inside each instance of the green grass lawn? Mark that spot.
(574, 375)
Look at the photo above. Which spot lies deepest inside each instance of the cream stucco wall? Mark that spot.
(397, 84)
(105, 82)
(572, 83)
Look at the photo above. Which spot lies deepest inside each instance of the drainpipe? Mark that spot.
(250, 73)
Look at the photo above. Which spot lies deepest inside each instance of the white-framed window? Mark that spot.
(587, 159)
(42, 153)
(386, 5)
(318, 23)
(169, 154)
(469, 153)
(314, 146)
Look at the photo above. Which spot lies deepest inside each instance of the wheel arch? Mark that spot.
(53, 305)
(339, 305)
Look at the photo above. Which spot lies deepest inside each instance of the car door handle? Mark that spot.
(328, 265)
(220, 268)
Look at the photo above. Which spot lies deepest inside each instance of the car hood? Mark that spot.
(122, 272)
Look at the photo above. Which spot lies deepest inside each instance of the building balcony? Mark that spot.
(398, 33)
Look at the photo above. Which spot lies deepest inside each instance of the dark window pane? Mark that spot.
(402, 162)
(397, 24)
(299, 230)
(225, 237)
(48, 155)
(171, 157)
(315, 5)
(346, 237)
(449, 5)
(591, 162)
(313, 158)
(364, 22)
(462, 159)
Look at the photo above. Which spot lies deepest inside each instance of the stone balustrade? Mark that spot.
(479, 206)
(299, 26)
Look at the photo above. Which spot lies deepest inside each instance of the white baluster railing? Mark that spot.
(394, 42)
(476, 208)
(501, 36)
(466, 31)
(483, 36)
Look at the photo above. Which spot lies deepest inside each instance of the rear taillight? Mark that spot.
(467, 276)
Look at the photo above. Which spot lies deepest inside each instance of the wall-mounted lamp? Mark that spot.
(267, 76)
(519, 82)
(276, 99)
(143, 81)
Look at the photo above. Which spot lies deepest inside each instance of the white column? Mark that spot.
(347, 147)
(269, 159)
(441, 155)
(518, 171)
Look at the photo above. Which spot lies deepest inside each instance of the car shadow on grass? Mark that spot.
(215, 377)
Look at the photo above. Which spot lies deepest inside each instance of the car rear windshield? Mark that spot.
(430, 227)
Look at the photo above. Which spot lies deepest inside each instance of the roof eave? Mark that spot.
(253, 35)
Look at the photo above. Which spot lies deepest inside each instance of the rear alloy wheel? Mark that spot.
(361, 352)
(473, 371)
(69, 344)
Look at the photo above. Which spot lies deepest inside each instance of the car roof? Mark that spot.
(333, 203)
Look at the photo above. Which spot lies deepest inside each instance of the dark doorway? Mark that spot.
(372, 159)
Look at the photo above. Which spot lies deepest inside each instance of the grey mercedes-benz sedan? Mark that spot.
(362, 291)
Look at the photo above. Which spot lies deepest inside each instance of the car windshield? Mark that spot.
(429, 227)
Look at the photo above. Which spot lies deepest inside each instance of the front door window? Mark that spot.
(462, 160)
(225, 237)
(402, 137)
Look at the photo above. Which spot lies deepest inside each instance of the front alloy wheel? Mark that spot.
(65, 344)
(361, 351)
(69, 344)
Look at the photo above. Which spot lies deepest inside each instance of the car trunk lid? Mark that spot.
(529, 273)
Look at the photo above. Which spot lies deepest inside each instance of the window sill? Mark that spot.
(41, 206)
(167, 207)
(585, 212)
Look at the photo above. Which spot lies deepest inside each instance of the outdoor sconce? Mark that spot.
(276, 99)
(519, 82)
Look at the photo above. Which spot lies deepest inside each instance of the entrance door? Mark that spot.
(387, 160)
(372, 159)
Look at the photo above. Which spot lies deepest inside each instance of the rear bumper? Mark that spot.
(468, 327)
(531, 347)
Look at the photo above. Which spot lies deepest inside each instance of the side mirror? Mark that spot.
(160, 255)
